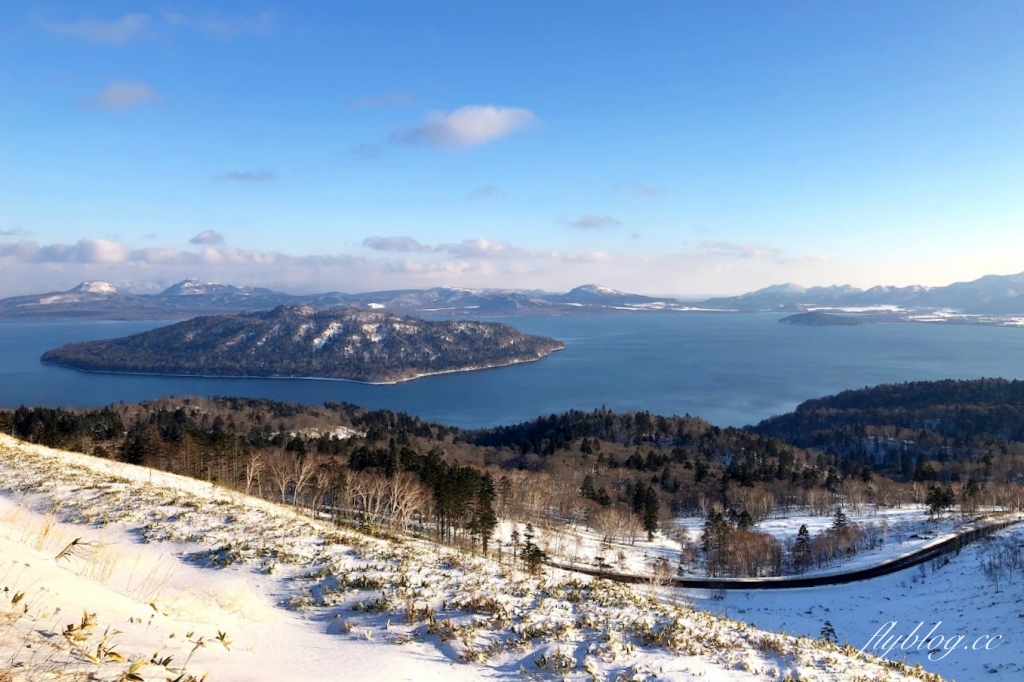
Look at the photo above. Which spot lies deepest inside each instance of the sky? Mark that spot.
(687, 148)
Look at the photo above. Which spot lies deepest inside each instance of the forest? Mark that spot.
(625, 475)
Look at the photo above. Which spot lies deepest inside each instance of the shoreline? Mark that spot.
(423, 375)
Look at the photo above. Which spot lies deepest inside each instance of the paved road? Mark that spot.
(976, 531)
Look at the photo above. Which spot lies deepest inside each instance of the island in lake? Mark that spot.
(817, 318)
(300, 341)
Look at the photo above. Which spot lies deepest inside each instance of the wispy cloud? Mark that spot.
(207, 237)
(592, 222)
(248, 176)
(485, 192)
(398, 243)
(83, 251)
(475, 262)
(139, 26)
(384, 100)
(485, 248)
(127, 29)
(123, 95)
(639, 189)
(15, 232)
(366, 151)
(475, 249)
(222, 27)
(739, 250)
(469, 126)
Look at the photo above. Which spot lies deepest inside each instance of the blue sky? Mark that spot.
(675, 147)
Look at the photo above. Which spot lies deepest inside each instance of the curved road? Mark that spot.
(963, 538)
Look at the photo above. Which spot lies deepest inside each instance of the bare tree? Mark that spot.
(279, 471)
(253, 473)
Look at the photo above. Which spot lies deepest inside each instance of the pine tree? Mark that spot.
(802, 549)
(484, 518)
(839, 521)
(587, 488)
(650, 512)
(828, 633)
(533, 556)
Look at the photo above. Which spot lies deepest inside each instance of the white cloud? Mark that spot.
(101, 251)
(710, 268)
(207, 237)
(221, 27)
(485, 248)
(123, 95)
(592, 222)
(129, 28)
(399, 244)
(97, 251)
(138, 26)
(740, 250)
(469, 126)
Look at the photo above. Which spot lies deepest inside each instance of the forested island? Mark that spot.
(300, 341)
(817, 318)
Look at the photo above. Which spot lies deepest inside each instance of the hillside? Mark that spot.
(255, 591)
(299, 341)
(926, 430)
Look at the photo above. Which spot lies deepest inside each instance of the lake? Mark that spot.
(731, 369)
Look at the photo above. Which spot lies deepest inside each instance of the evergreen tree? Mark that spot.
(484, 518)
(650, 513)
(839, 521)
(802, 549)
(533, 556)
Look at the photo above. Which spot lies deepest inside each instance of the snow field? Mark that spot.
(300, 599)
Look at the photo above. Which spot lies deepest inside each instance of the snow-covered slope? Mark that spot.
(94, 288)
(952, 600)
(260, 592)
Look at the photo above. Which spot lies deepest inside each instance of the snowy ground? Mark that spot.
(903, 530)
(172, 574)
(955, 594)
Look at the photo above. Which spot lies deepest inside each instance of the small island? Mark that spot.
(817, 318)
(302, 342)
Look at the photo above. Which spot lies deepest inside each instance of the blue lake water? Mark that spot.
(731, 369)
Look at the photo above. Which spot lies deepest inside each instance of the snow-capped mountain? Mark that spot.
(989, 295)
(105, 288)
(192, 297)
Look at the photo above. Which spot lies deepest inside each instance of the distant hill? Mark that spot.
(929, 430)
(101, 300)
(299, 341)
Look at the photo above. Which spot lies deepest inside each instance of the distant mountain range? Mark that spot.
(299, 341)
(102, 300)
(992, 295)
(982, 300)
